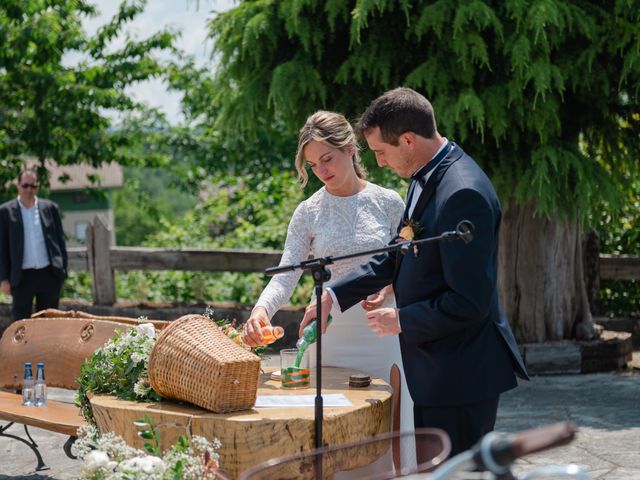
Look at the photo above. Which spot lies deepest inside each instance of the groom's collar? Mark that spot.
(424, 172)
(439, 155)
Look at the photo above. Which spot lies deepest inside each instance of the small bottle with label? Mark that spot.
(40, 387)
(28, 391)
(271, 333)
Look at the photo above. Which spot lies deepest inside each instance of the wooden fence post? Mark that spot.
(99, 261)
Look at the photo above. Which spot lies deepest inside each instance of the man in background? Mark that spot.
(33, 254)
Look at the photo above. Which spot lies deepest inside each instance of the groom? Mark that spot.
(458, 351)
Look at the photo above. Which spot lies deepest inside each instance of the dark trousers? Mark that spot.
(43, 285)
(465, 424)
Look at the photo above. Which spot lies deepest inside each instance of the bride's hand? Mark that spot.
(251, 331)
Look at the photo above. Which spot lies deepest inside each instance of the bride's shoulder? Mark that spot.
(386, 194)
(315, 197)
(312, 203)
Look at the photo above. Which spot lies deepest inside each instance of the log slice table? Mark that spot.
(250, 437)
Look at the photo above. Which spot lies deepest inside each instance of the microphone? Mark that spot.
(464, 230)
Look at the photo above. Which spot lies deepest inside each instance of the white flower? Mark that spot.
(140, 389)
(83, 445)
(146, 330)
(113, 459)
(95, 459)
(147, 464)
(137, 357)
(201, 444)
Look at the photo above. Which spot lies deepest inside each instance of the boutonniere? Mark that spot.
(409, 231)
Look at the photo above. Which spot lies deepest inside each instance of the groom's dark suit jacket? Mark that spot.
(457, 347)
(12, 240)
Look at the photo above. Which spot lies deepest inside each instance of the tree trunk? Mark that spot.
(591, 255)
(541, 276)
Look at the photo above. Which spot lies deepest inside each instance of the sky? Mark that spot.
(188, 16)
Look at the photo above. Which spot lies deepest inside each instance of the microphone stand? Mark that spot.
(320, 274)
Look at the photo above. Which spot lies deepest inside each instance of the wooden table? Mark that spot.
(253, 436)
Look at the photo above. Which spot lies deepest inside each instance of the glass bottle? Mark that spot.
(28, 392)
(309, 335)
(40, 387)
(271, 333)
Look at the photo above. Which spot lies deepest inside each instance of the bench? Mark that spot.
(63, 344)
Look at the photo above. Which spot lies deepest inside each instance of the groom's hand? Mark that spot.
(373, 301)
(384, 321)
(310, 313)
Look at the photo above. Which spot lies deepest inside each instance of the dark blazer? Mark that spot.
(457, 346)
(12, 240)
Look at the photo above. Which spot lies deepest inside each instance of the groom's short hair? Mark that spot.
(398, 111)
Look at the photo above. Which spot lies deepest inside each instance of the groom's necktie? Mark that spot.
(420, 176)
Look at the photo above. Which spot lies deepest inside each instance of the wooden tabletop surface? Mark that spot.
(252, 436)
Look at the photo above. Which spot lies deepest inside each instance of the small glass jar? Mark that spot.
(294, 368)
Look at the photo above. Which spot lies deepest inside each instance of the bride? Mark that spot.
(348, 214)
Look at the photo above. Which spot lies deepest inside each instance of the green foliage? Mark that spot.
(51, 110)
(119, 368)
(619, 234)
(149, 197)
(152, 436)
(241, 212)
(108, 457)
(77, 286)
(519, 84)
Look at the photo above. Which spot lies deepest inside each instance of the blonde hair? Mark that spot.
(332, 129)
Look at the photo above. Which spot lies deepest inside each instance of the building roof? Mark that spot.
(80, 176)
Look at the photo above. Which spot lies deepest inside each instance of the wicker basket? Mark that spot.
(194, 361)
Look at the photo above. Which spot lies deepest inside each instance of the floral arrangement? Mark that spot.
(120, 367)
(410, 230)
(108, 457)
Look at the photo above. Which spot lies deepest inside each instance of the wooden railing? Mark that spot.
(101, 259)
(619, 267)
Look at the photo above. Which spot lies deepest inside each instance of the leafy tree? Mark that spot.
(149, 196)
(270, 143)
(543, 93)
(50, 110)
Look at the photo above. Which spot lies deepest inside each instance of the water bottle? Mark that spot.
(41, 386)
(270, 334)
(28, 391)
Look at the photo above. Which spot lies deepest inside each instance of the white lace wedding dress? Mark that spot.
(323, 225)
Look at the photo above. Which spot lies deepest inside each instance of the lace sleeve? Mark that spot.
(296, 249)
(396, 210)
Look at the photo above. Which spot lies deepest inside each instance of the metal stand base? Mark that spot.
(31, 444)
(67, 447)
